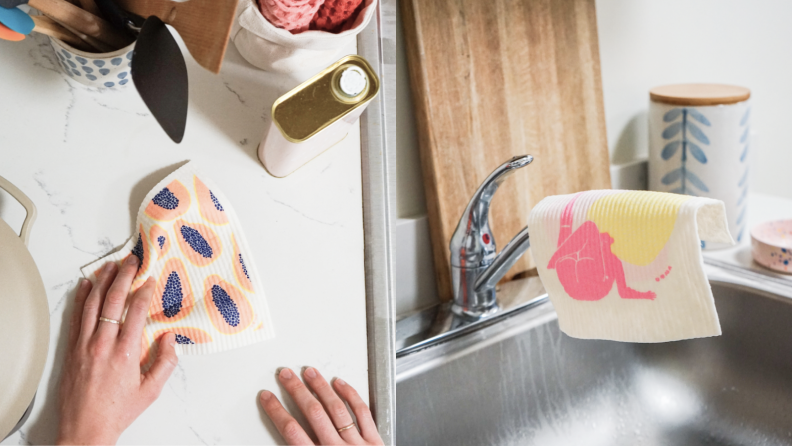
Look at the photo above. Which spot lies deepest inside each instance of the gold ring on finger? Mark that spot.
(112, 321)
(346, 427)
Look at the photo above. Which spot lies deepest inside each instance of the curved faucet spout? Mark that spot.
(472, 244)
(474, 260)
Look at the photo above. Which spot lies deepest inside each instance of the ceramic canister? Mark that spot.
(699, 145)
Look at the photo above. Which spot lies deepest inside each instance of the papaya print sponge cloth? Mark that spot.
(208, 291)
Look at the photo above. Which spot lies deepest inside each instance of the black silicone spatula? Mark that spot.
(158, 69)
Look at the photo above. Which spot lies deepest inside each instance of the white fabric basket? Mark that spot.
(274, 49)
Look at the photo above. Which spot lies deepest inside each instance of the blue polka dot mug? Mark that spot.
(98, 70)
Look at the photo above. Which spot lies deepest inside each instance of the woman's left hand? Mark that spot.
(328, 416)
(102, 390)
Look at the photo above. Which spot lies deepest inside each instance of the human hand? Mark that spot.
(102, 390)
(328, 416)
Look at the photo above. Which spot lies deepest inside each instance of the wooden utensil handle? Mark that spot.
(82, 21)
(90, 6)
(48, 27)
(100, 47)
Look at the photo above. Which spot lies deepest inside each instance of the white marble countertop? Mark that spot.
(87, 158)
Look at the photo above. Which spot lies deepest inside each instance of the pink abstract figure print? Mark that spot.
(585, 264)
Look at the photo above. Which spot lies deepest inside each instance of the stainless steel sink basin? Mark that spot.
(521, 381)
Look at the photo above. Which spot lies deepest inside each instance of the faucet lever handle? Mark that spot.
(472, 244)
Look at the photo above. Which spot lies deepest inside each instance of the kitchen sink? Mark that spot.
(521, 381)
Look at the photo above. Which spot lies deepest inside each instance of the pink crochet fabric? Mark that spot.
(292, 15)
(334, 15)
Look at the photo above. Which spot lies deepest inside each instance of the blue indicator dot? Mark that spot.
(108, 84)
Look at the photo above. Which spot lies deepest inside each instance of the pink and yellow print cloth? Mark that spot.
(208, 291)
(627, 265)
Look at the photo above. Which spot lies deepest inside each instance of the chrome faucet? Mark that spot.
(475, 265)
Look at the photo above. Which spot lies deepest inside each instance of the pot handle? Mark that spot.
(23, 199)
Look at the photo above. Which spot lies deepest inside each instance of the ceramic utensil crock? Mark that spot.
(97, 70)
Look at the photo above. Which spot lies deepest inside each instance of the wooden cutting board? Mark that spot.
(495, 79)
(204, 25)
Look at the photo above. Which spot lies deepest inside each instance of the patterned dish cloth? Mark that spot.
(627, 265)
(333, 15)
(208, 291)
(292, 15)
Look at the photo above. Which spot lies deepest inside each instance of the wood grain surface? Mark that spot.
(495, 79)
(699, 94)
(204, 25)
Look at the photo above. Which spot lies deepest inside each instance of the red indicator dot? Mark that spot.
(662, 276)
(485, 238)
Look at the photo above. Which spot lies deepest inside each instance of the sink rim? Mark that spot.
(424, 355)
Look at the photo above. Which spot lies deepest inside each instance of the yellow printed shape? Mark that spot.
(640, 222)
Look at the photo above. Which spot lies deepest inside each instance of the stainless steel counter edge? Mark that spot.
(378, 167)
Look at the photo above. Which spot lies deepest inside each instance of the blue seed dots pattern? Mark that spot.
(166, 200)
(225, 305)
(172, 296)
(161, 241)
(137, 251)
(197, 242)
(181, 339)
(244, 268)
(217, 204)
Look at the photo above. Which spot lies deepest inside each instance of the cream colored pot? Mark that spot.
(24, 319)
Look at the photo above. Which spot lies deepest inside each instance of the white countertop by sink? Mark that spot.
(87, 158)
(761, 208)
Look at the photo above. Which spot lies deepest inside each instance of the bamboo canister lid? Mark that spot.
(699, 94)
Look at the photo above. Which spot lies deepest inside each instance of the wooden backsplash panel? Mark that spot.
(498, 78)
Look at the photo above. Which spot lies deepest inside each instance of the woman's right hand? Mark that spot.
(328, 416)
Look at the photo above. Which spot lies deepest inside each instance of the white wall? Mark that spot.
(645, 43)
